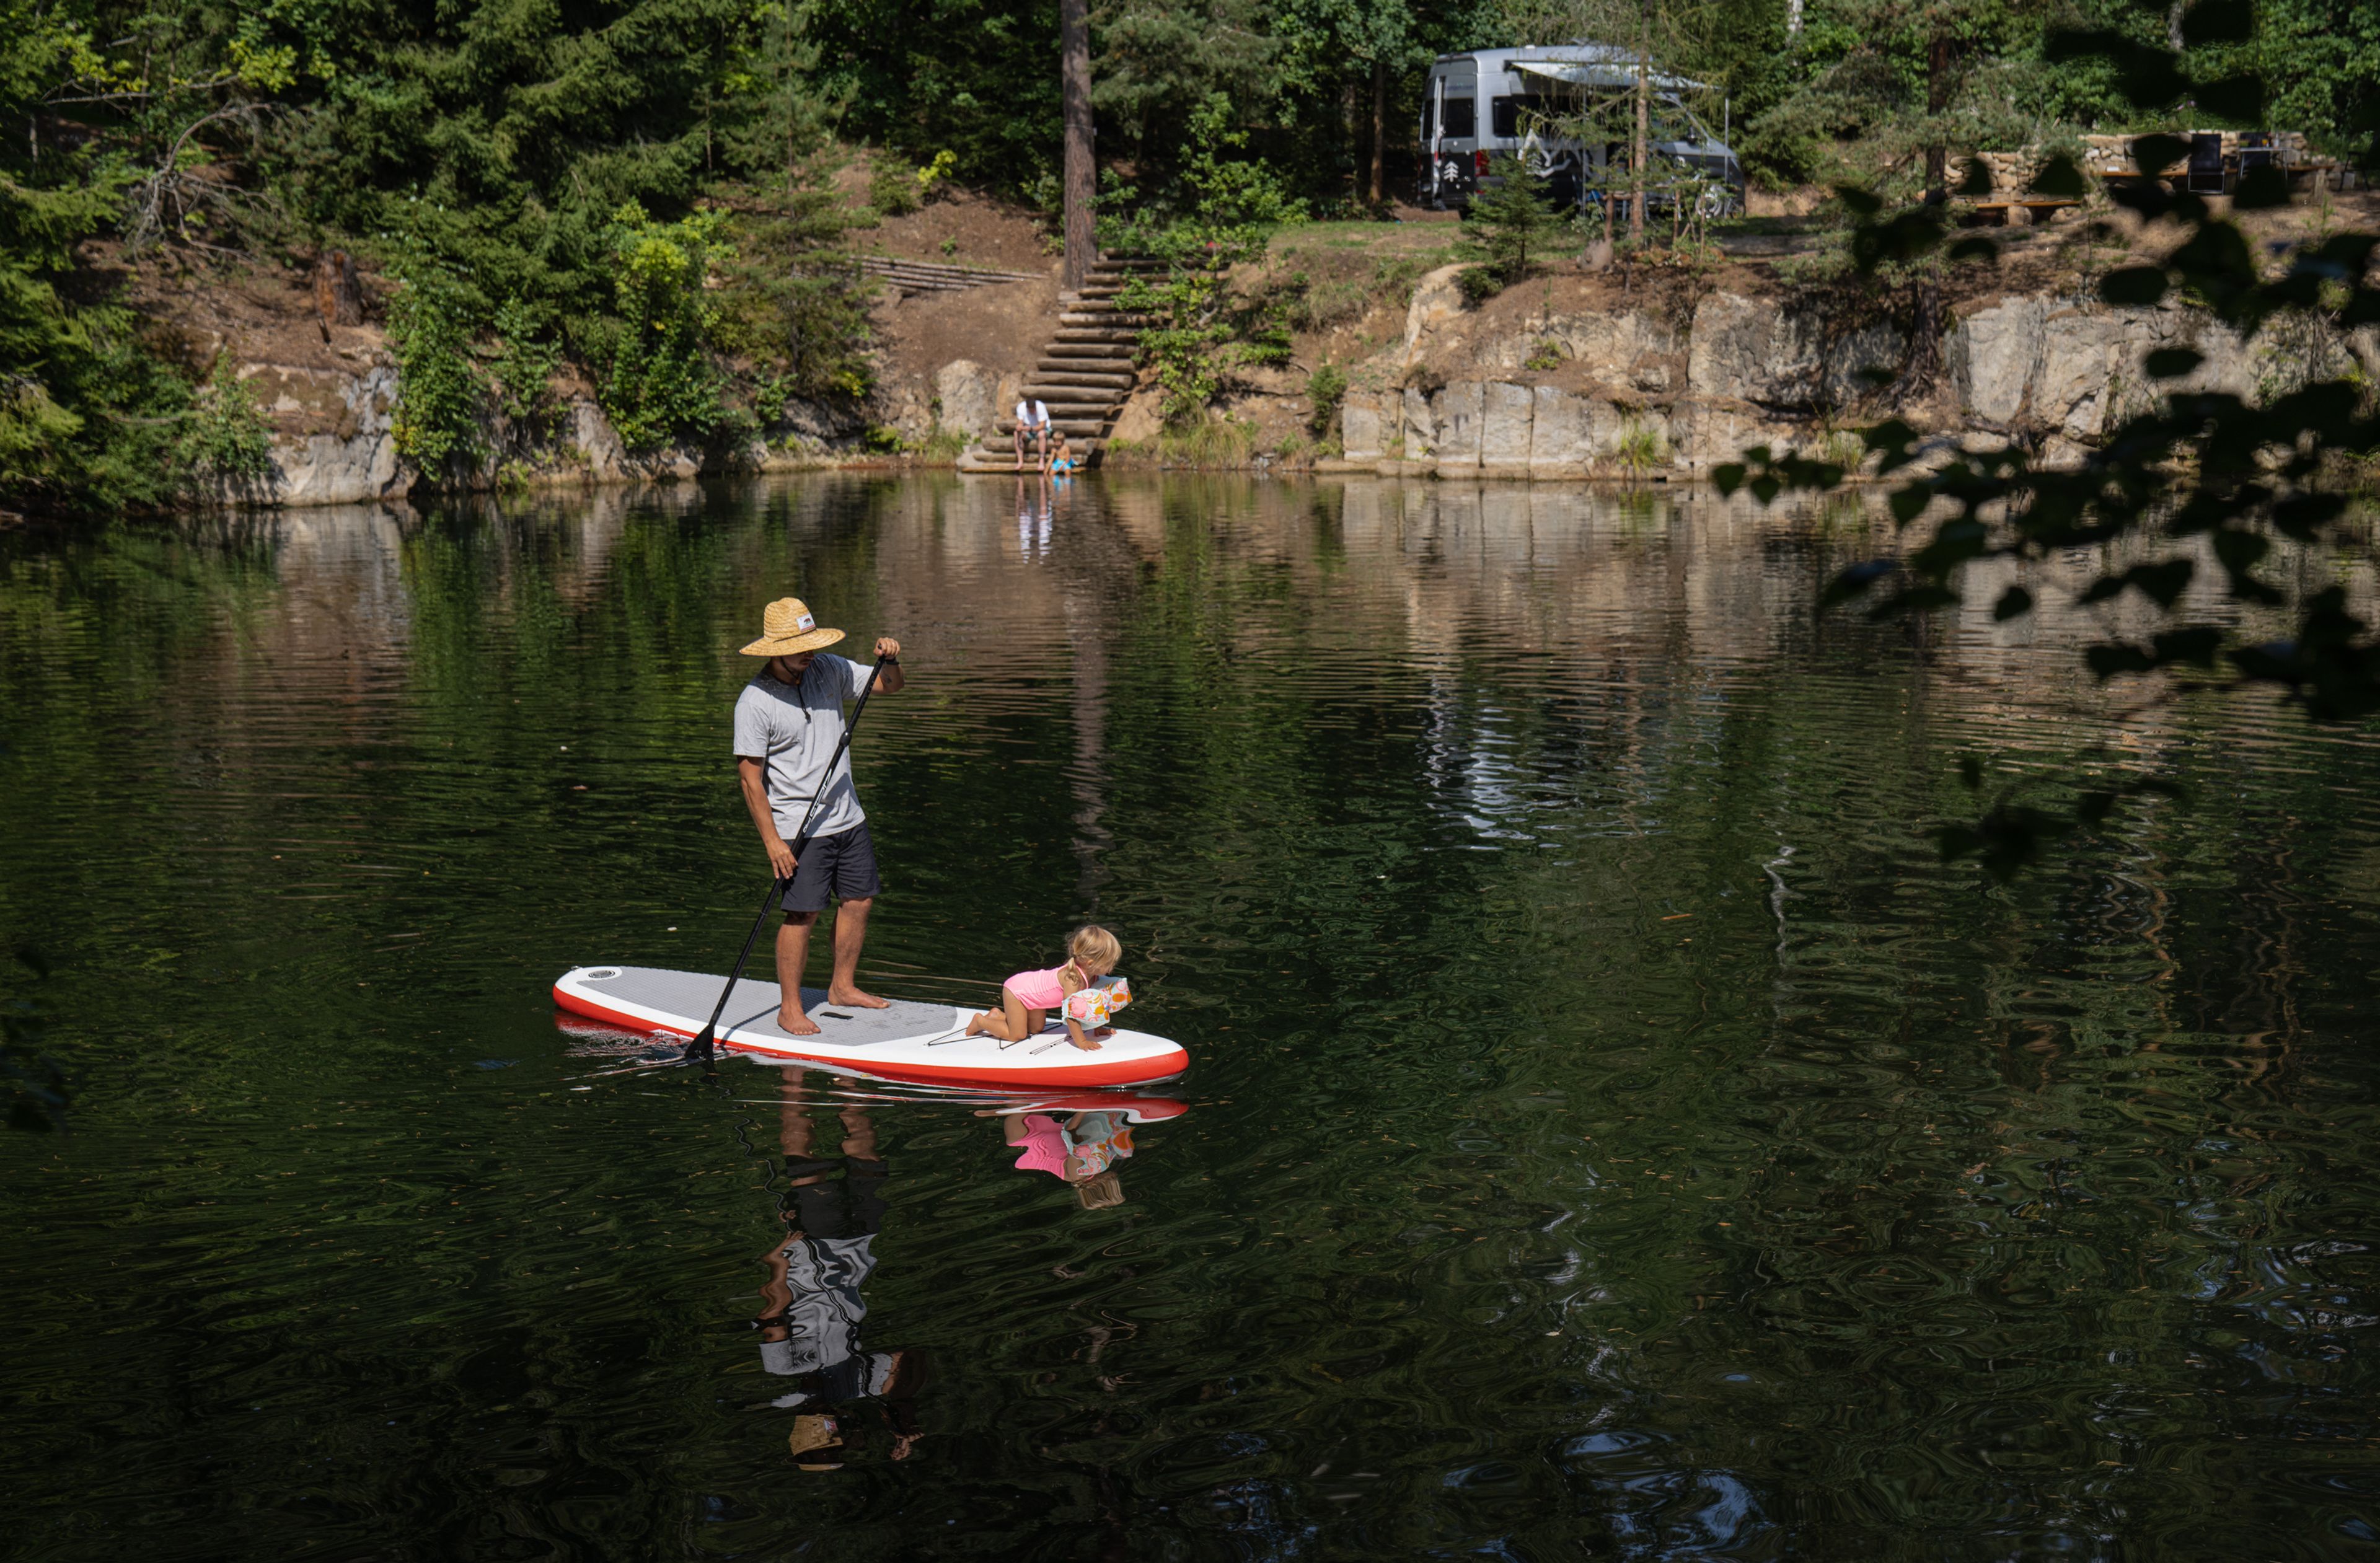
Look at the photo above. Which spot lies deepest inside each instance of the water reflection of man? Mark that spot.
(810, 1326)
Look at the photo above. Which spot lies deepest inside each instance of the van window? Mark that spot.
(1506, 117)
(1461, 118)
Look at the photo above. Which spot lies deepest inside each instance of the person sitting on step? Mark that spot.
(1033, 423)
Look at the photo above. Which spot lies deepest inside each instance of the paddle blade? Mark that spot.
(700, 1049)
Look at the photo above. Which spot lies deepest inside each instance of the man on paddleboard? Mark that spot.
(788, 724)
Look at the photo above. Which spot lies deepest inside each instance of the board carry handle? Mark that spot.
(699, 1051)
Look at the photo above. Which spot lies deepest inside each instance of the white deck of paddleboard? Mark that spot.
(907, 1035)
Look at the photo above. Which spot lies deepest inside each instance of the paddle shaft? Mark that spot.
(700, 1048)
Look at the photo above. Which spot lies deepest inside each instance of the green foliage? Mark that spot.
(1510, 221)
(936, 174)
(789, 314)
(659, 384)
(1196, 334)
(1478, 284)
(226, 438)
(89, 421)
(1326, 388)
(440, 392)
(526, 361)
(893, 191)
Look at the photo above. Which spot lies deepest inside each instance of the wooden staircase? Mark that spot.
(1083, 375)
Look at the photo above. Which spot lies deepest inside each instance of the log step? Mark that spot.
(1070, 372)
(1090, 352)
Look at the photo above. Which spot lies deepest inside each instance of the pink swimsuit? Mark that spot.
(1039, 990)
(1043, 1149)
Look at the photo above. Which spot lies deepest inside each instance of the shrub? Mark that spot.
(1478, 284)
(893, 190)
(1640, 446)
(226, 438)
(935, 175)
(439, 393)
(659, 384)
(1325, 389)
(523, 367)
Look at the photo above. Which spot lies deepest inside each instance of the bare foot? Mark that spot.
(1086, 1045)
(1104, 1031)
(793, 1022)
(856, 999)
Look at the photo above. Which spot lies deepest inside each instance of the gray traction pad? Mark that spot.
(753, 1010)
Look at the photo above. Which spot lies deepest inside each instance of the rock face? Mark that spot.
(1754, 350)
(357, 461)
(1751, 371)
(968, 396)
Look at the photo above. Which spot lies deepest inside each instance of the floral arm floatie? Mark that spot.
(1097, 1005)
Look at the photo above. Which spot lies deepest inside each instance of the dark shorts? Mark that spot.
(842, 866)
(848, 1207)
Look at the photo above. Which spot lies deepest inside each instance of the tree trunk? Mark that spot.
(1924, 365)
(338, 293)
(1637, 149)
(1082, 179)
(1379, 126)
(1938, 99)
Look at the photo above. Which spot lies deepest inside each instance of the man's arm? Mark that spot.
(890, 681)
(754, 775)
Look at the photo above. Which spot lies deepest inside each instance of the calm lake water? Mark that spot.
(1612, 1132)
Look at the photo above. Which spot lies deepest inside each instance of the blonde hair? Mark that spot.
(1094, 946)
(1099, 1192)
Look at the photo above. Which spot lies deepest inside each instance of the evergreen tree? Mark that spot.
(1510, 221)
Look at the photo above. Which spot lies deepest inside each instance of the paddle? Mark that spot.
(700, 1049)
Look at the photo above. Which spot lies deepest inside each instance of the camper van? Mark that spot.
(1494, 103)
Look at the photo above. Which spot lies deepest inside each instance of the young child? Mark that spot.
(1062, 457)
(1028, 997)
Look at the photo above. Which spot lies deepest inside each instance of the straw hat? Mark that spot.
(787, 627)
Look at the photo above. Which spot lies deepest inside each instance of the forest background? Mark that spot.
(551, 181)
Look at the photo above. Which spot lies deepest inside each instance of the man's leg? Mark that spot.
(793, 953)
(850, 933)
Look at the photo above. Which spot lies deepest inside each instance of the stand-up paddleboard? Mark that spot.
(925, 1043)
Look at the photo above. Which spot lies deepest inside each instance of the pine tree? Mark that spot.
(1510, 223)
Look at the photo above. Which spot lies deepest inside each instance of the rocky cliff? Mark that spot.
(1655, 390)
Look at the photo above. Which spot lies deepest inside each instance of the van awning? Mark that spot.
(1608, 69)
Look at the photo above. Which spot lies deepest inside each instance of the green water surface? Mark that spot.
(1612, 1132)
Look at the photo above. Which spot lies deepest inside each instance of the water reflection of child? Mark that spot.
(1025, 998)
(809, 1331)
(1082, 1152)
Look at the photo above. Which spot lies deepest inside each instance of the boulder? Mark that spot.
(1141, 420)
(968, 397)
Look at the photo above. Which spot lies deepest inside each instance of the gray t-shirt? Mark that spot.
(793, 731)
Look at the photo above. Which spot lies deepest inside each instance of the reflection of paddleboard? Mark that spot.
(909, 1041)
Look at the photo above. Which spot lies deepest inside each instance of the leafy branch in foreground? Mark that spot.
(2205, 478)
